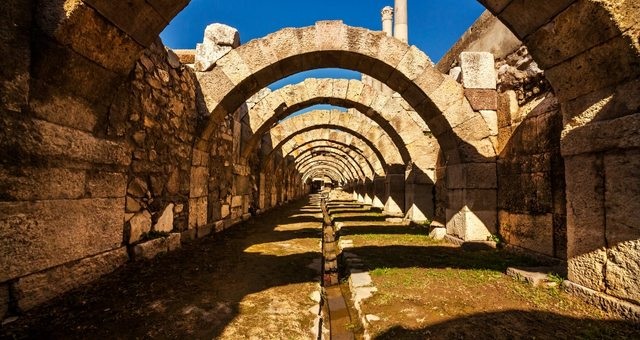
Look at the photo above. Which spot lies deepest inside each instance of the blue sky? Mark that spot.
(434, 25)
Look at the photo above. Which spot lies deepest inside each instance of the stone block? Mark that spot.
(533, 232)
(620, 133)
(199, 181)
(585, 205)
(137, 18)
(478, 70)
(482, 99)
(205, 230)
(38, 235)
(236, 201)
(219, 226)
(139, 225)
(197, 212)
(26, 184)
(587, 269)
(174, 241)
(35, 289)
(225, 211)
(623, 265)
(106, 184)
(165, 221)
(150, 249)
(523, 20)
(622, 185)
(472, 176)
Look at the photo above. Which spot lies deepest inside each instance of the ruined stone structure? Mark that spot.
(113, 149)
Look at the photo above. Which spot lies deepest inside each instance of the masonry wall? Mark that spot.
(87, 187)
(530, 169)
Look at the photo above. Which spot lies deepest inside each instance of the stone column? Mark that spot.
(471, 212)
(368, 191)
(387, 20)
(401, 27)
(379, 196)
(395, 188)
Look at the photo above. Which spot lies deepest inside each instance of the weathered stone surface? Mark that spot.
(139, 225)
(39, 184)
(165, 221)
(174, 241)
(132, 205)
(623, 264)
(478, 71)
(528, 231)
(37, 288)
(106, 184)
(623, 309)
(225, 210)
(588, 269)
(219, 39)
(482, 99)
(197, 212)
(137, 188)
(42, 234)
(622, 181)
(150, 249)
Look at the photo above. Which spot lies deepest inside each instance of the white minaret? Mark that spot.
(401, 26)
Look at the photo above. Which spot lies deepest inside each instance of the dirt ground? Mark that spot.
(253, 281)
(434, 290)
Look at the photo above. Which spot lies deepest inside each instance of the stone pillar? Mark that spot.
(361, 190)
(401, 26)
(379, 192)
(395, 188)
(387, 20)
(472, 209)
(368, 191)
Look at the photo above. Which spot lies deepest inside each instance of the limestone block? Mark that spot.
(35, 289)
(623, 265)
(236, 201)
(199, 181)
(478, 70)
(482, 99)
(174, 241)
(42, 234)
(42, 183)
(106, 184)
(47, 140)
(438, 233)
(585, 204)
(165, 221)
(137, 187)
(150, 249)
(197, 212)
(225, 210)
(622, 184)
(533, 232)
(139, 225)
(219, 226)
(173, 59)
(219, 39)
(587, 269)
(132, 205)
(456, 73)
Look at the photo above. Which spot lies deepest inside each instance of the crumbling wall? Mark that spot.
(530, 170)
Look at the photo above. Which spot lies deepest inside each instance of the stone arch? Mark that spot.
(310, 159)
(393, 115)
(354, 156)
(299, 158)
(462, 133)
(330, 169)
(315, 161)
(355, 122)
(336, 137)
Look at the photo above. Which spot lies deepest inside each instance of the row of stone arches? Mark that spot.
(73, 56)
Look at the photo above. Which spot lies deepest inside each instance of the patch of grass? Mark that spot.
(380, 271)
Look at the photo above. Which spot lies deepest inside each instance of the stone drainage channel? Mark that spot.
(337, 318)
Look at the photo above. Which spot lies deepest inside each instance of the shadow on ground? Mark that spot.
(516, 324)
(193, 292)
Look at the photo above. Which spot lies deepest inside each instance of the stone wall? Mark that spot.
(86, 192)
(530, 170)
